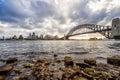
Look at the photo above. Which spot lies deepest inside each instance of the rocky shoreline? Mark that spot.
(57, 69)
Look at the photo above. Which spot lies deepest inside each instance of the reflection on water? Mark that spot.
(115, 46)
(77, 49)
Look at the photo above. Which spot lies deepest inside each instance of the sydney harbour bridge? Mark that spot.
(103, 30)
(110, 32)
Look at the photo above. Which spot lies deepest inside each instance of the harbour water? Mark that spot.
(31, 60)
(25, 50)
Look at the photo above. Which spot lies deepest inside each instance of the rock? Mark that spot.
(87, 70)
(16, 78)
(19, 71)
(37, 71)
(1, 60)
(68, 61)
(58, 61)
(34, 60)
(109, 76)
(59, 75)
(92, 72)
(90, 61)
(55, 55)
(5, 69)
(102, 67)
(79, 78)
(28, 73)
(96, 75)
(46, 62)
(61, 69)
(89, 77)
(68, 72)
(76, 68)
(114, 60)
(28, 65)
(81, 52)
(24, 78)
(83, 65)
(2, 77)
(41, 60)
(11, 60)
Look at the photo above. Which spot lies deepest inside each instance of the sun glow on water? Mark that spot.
(88, 36)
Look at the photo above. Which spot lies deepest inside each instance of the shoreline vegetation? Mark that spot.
(58, 69)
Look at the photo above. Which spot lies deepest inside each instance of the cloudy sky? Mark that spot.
(54, 16)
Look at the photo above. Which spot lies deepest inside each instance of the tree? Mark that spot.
(20, 37)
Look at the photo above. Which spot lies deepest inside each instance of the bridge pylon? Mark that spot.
(66, 37)
(116, 28)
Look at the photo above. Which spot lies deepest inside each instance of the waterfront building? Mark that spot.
(37, 37)
(49, 37)
(41, 37)
(56, 37)
(34, 36)
(30, 36)
(3, 38)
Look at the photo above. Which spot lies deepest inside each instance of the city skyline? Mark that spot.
(31, 36)
(53, 17)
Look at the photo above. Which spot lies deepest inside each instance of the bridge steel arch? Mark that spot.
(103, 30)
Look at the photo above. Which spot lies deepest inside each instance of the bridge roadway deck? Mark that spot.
(89, 32)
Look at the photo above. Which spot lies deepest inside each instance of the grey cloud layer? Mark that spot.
(55, 16)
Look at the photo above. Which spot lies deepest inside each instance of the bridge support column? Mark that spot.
(116, 28)
(65, 37)
(108, 32)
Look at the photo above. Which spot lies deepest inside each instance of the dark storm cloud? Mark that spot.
(83, 14)
(9, 13)
(42, 9)
(38, 10)
(114, 13)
